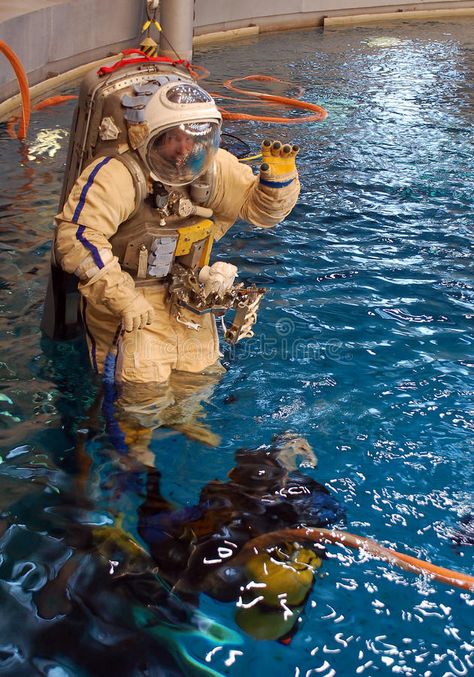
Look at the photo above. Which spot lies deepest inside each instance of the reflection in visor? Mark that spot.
(185, 93)
(180, 154)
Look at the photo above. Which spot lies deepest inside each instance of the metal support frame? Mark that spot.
(177, 23)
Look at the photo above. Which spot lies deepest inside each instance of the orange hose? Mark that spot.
(24, 88)
(405, 562)
(198, 72)
(11, 122)
(51, 101)
(54, 101)
(261, 78)
(318, 115)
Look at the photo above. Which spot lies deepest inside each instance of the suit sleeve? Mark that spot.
(102, 198)
(238, 193)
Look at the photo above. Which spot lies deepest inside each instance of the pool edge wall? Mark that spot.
(57, 40)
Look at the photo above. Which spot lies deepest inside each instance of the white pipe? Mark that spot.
(177, 21)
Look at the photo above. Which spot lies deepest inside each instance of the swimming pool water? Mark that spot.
(364, 346)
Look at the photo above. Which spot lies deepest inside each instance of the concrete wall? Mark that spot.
(54, 36)
(211, 15)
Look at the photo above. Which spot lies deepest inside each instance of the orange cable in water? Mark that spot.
(54, 101)
(401, 560)
(51, 101)
(198, 72)
(24, 88)
(318, 114)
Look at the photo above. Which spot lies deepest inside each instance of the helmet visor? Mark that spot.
(180, 154)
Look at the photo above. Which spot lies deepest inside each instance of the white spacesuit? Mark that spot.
(156, 196)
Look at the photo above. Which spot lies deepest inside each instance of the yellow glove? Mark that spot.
(137, 314)
(278, 169)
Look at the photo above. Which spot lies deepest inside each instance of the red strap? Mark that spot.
(135, 51)
(144, 58)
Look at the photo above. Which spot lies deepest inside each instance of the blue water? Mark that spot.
(364, 346)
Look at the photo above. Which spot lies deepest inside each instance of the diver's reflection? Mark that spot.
(140, 408)
(200, 548)
(197, 547)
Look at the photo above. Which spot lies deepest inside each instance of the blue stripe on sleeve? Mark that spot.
(88, 184)
(91, 247)
(77, 212)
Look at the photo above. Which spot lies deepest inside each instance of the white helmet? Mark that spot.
(183, 128)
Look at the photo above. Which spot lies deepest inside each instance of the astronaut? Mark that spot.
(152, 199)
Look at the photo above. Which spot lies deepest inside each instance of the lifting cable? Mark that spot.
(367, 545)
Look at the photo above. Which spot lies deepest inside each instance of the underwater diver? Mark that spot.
(153, 191)
(73, 576)
(96, 596)
(198, 548)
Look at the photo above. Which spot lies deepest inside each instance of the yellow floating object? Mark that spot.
(291, 577)
(262, 623)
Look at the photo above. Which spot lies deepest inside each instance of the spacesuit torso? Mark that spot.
(159, 235)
